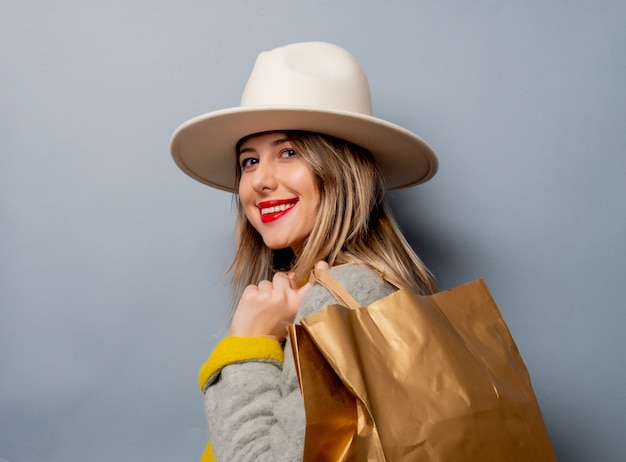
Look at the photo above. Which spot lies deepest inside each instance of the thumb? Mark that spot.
(322, 265)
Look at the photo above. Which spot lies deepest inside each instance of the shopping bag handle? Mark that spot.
(334, 287)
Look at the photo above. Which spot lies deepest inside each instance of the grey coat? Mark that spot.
(255, 409)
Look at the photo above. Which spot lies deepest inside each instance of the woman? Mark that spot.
(309, 165)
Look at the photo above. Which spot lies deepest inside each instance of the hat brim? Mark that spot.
(204, 147)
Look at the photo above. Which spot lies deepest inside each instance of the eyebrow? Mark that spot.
(274, 143)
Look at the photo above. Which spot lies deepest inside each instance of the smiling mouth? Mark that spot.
(273, 210)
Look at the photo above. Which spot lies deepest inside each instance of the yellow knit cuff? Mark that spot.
(207, 455)
(236, 350)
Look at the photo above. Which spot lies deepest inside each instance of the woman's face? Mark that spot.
(277, 190)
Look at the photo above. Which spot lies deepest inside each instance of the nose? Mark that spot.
(264, 177)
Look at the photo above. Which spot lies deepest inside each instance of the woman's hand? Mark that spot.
(268, 308)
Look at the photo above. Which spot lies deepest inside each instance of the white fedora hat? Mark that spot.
(311, 86)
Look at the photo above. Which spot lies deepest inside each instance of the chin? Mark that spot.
(276, 245)
(281, 245)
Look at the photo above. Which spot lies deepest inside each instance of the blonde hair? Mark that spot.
(355, 224)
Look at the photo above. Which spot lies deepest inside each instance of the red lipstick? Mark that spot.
(275, 209)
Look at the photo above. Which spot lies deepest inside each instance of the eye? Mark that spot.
(248, 162)
(288, 153)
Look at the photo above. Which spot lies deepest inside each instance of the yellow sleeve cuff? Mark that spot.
(232, 350)
(207, 455)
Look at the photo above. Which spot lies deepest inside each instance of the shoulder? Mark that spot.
(364, 284)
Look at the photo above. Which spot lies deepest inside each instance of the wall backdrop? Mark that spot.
(111, 259)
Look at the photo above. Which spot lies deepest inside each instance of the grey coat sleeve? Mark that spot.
(255, 409)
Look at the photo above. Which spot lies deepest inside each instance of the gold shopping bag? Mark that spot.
(415, 378)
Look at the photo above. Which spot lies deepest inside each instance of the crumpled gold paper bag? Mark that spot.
(415, 378)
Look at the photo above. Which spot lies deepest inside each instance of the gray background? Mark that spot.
(111, 259)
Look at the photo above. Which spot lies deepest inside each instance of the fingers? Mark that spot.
(281, 280)
(293, 282)
(267, 308)
(264, 285)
